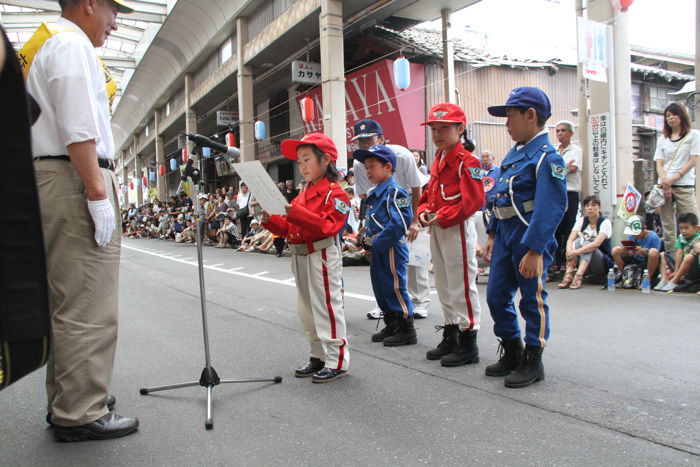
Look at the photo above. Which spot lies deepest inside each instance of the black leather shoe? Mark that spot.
(327, 375)
(108, 427)
(315, 365)
(111, 402)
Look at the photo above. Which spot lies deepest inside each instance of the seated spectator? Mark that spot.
(188, 234)
(684, 265)
(177, 226)
(150, 230)
(588, 245)
(247, 239)
(228, 234)
(263, 241)
(643, 247)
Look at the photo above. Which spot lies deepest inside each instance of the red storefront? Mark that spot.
(370, 93)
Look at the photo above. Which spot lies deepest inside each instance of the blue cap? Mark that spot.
(366, 129)
(526, 97)
(378, 150)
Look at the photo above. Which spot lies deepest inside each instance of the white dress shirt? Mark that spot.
(406, 172)
(67, 81)
(574, 155)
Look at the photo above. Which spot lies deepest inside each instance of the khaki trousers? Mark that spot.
(684, 203)
(320, 305)
(83, 295)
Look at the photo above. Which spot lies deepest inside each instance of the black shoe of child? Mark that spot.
(392, 326)
(327, 375)
(510, 353)
(404, 335)
(529, 371)
(450, 338)
(314, 366)
(463, 353)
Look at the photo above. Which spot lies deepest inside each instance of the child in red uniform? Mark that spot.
(454, 193)
(311, 226)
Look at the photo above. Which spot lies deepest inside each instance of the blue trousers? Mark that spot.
(388, 272)
(505, 280)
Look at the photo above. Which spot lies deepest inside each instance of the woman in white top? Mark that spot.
(676, 154)
(588, 245)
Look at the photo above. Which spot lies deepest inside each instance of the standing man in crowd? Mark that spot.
(367, 134)
(73, 152)
(573, 158)
(491, 173)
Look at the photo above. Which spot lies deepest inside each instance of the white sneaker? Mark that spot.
(420, 312)
(660, 286)
(375, 313)
(669, 287)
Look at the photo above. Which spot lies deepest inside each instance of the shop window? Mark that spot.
(658, 99)
(636, 102)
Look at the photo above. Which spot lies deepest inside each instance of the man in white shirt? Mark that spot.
(73, 152)
(573, 158)
(367, 134)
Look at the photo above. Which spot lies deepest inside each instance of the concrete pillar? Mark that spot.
(160, 159)
(697, 90)
(125, 180)
(137, 174)
(583, 115)
(448, 63)
(190, 123)
(333, 77)
(245, 94)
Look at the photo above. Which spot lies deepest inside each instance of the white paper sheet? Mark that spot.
(263, 189)
(419, 250)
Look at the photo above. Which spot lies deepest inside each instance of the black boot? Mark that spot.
(463, 353)
(510, 353)
(404, 335)
(450, 338)
(314, 366)
(529, 371)
(392, 325)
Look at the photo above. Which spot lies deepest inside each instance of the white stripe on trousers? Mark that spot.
(449, 248)
(320, 305)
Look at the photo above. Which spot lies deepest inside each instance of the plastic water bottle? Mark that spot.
(611, 279)
(646, 282)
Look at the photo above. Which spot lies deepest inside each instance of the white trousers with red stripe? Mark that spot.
(454, 263)
(320, 305)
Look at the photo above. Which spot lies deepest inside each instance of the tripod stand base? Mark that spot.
(209, 379)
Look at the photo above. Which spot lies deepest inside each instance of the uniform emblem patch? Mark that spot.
(477, 174)
(489, 183)
(341, 206)
(403, 202)
(558, 171)
(440, 114)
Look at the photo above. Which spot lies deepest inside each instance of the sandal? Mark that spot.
(568, 278)
(576, 284)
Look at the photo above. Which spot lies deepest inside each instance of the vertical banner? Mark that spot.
(602, 174)
(593, 49)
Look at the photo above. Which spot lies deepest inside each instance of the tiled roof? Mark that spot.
(660, 73)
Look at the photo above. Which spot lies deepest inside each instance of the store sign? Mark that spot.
(306, 72)
(593, 49)
(370, 93)
(602, 173)
(226, 117)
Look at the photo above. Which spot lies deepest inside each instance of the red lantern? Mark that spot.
(307, 109)
(131, 185)
(161, 170)
(145, 181)
(185, 155)
(230, 140)
(621, 5)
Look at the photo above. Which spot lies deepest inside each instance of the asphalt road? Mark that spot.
(621, 389)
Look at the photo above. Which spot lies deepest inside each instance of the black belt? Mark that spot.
(102, 163)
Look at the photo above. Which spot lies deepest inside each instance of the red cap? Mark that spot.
(321, 141)
(446, 113)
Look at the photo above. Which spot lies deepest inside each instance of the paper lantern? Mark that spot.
(126, 189)
(230, 140)
(206, 152)
(138, 182)
(152, 175)
(307, 109)
(161, 170)
(131, 185)
(402, 73)
(259, 130)
(145, 181)
(173, 164)
(185, 155)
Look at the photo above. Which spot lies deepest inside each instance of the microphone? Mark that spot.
(203, 141)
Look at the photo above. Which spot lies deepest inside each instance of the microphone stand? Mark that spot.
(209, 378)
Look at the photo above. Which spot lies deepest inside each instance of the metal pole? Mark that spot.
(448, 63)
(583, 112)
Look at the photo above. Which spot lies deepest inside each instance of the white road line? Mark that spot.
(291, 279)
(237, 269)
(217, 264)
(258, 274)
(188, 259)
(234, 272)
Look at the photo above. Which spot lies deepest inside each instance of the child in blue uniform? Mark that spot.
(530, 202)
(387, 220)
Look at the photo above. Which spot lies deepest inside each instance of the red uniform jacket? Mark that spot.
(320, 211)
(456, 190)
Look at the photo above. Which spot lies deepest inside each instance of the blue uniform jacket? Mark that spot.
(388, 215)
(547, 188)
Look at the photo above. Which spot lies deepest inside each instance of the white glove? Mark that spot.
(103, 216)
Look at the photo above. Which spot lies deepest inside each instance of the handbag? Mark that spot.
(244, 212)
